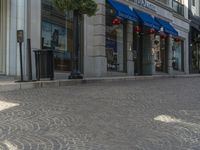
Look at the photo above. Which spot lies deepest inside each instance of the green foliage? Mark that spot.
(88, 7)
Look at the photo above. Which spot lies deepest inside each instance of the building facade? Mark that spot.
(132, 37)
(126, 51)
(194, 16)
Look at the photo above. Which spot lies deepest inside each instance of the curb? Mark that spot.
(11, 86)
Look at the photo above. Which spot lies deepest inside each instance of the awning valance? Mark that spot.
(123, 10)
(147, 20)
(168, 28)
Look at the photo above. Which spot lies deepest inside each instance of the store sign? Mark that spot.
(145, 3)
(20, 36)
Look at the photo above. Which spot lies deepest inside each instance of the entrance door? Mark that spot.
(196, 58)
(3, 22)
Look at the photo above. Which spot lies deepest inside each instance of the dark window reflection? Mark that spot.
(57, 34)
(114, 42)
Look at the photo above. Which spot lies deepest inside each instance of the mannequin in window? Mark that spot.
(55, 39)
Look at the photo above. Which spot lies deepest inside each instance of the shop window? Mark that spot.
(165, 1)
(177, 57)
(196, 57)
(57, 34)
(114, 41)
(193, 2)
(137, 51)
(178, 6)
(160, 54)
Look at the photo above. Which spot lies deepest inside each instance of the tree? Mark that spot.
(79, 8)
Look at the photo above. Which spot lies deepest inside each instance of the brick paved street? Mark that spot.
(162, 114)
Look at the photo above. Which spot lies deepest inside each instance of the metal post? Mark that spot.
(75, 73)
(29, 59)
(21, 66)
(20, 40)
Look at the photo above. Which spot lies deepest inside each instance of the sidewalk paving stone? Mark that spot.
(161, 114)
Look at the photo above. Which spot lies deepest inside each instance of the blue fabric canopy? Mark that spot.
(123, 10)
(168, 28)
(147, 20)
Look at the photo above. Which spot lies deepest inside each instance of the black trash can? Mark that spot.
(44, 64)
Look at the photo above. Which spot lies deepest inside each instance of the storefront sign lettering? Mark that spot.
(145, 3)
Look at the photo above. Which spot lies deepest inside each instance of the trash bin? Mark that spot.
(44, 64)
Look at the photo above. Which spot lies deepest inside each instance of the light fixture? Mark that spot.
(161, 29)
(137, 29)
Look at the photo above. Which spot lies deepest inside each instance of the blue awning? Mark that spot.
(123, 10)
(168, 28)
(147, 20)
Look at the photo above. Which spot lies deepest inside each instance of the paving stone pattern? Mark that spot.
(162, 114)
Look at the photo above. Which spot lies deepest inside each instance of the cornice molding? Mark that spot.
(180, 17)
(162, 5)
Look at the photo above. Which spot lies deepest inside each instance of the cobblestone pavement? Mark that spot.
(157, 114)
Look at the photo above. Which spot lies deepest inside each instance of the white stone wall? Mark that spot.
(195, 9)
(17, 22)
(24, 15)
(186, 6)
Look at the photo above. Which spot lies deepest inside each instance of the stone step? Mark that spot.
(10, 84)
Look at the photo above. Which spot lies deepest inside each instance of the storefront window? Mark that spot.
(196, 57)
(177, 59)
(137, 52)
(114, 42)
(195, 51)
(160, 54)
(57, 34)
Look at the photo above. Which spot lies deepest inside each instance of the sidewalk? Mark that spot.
(10, 84)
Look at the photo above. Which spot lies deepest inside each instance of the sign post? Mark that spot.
(20, 40)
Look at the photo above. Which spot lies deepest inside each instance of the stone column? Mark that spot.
(34, 28)
(186, 6)
(186, 55)
(95, 62)
(169, 49)
(147, 54)
(130, 61)
(153, 55)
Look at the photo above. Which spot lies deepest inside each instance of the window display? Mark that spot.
(177, 56)
(57, 34)
(196, 57)
(114, 41)
(160, 53)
